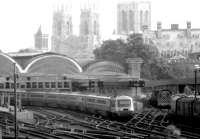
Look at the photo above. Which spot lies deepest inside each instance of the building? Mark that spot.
(133, 17)
(90, 28)
(62, 26)
(64, 40)
(175, 42)
(41, 40)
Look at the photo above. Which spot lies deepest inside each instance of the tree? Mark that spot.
(119, 51)
(27, 50)
(112, 50)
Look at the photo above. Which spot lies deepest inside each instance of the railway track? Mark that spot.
(51, 123)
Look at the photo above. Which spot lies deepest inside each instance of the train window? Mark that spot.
(53, 84)
(101, 101)
(18, 85)
(40, 85)
(47, 85)
(28, 85)
(34, 85)
(90, 100)
(51, 96)
(12, 85)
(22, 86)
(112, 103)
(66, 85)
(36, 95)
(59, 84)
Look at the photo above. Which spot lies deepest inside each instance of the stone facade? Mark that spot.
(133, 17)
(175, 42)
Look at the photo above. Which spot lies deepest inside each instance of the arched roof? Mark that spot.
(105, 66)
(7, 66)
(53, 64)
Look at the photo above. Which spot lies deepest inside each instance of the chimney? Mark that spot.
(174, 26)
(188, 25)
(159, 26)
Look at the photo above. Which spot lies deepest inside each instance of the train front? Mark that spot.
(124, 105)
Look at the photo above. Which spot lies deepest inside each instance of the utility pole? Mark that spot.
(15, 100)
(195, 83)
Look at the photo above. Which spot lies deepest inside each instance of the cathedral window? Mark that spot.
(95, 28)
(86, 28)
(68, 28)
(141, 20)
(146, 17)
(59, 28)
(131, 19)
(124, 20)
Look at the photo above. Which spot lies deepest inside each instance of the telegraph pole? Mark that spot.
(15, 100)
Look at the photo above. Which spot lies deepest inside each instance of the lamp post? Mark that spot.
(196, 69)
(15, 101)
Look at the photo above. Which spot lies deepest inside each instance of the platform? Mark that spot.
(22, 115)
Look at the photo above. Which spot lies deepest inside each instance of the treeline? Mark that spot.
(154, 66)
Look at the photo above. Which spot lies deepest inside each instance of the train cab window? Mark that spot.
(34, 85)
(40, 85)
(124, 103)
(28, 85)
(59, 84)
(66, 85)
(53, 84)
(47, 85)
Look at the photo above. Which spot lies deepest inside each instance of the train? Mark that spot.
(161, 99)
(102, 105)
(185, 108)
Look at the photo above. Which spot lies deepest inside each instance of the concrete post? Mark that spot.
(134, 65)
(9, 100)
(3, 99)
(134, 70)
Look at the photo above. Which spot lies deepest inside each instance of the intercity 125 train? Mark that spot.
(103, 105)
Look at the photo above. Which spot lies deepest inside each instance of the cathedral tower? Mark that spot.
(62, 25)
(133, 17)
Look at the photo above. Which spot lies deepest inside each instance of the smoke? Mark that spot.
(173, 130)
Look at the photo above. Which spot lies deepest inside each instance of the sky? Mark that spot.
(20, 19)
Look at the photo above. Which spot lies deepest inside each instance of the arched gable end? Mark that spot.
(53, 64)
(7, 65)
(105, 66)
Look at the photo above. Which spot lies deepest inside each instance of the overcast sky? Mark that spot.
(20, 19)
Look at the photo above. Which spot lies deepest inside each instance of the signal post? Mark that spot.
(134, 70)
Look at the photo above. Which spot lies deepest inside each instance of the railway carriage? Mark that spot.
(97, 104)
(36, 99)
(51, 100)
(103, 105)
(185, 108)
